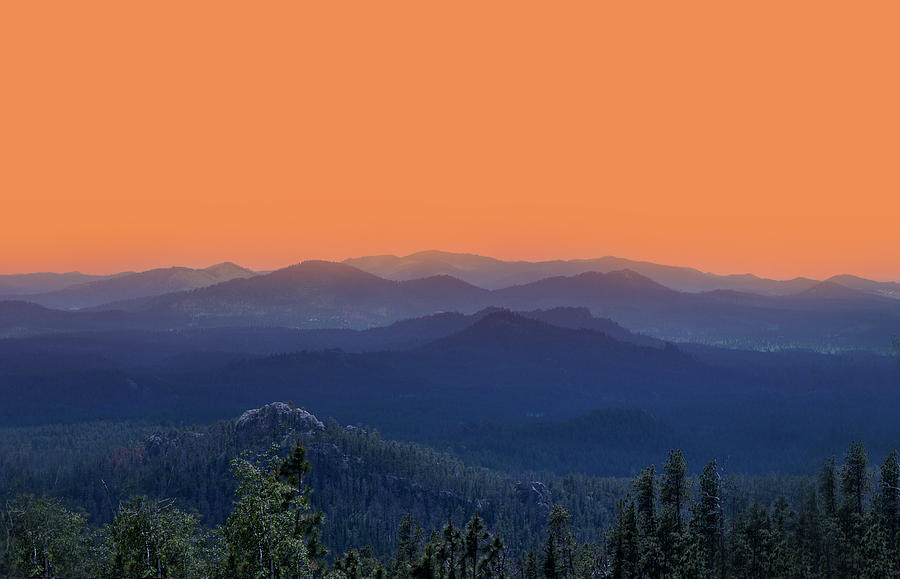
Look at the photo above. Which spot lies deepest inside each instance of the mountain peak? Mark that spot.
(277, 414)
(506, 329)
(227, 268)
(323, 270)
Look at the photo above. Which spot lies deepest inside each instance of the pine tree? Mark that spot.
(854, 486)
(673, 491)
(889, 499)
(855, 478)
(785, 560)
(154, 539)
(561, 534)
(707, 519)
(831, 532)
(809, 537)
(828, 487)
(307, 523)
(551, 565)
(531, 565)
(624, 541)
(752, 546)
(409, 537)
(493, 563)
(350, 565)
(425, 567)
(451, 551)
(44, 536)
(876, 559)
(476, 542)
(648, 540)
(260, 533)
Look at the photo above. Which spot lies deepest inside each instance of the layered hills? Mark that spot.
(126, 286)
(496, 274)
(825, 316)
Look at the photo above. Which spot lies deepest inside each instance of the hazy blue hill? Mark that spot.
(493, 273)
(884, 288)
(22, 284)
(833, 294)
(327, 295)
(315, 294)
(446, 370)
(828, 320)
(475, 269)
(504, 333)
(19, 318)
(153, 282)
(617, 287)
(207, 347)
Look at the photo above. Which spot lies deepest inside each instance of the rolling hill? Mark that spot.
(21, 284)
(493, 273)
(327, 295)
(128, 286)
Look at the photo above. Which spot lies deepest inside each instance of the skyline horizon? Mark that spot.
(672, 135)
(271, 266)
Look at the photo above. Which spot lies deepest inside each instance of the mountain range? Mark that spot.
(76, 291)
(20, 284)
(491, 273)
(481, 271)
(824, 316)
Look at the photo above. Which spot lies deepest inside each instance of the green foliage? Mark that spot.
(826, 526)
(44, 538)
(674, 491)
(450, 553)
(476, 542)
(623, 541)
(260, 533)
(855, 478)
(647, 523)
(307, 522)
(560, 533)
(828, 487)
(753, 544)
(152, 538)
(551, 560)
(406, 557)
(358, 564)
(889, 502)
(707, 517)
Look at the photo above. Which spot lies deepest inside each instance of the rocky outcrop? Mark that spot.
(277, 418)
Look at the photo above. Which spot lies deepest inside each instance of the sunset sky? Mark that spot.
(730, 136)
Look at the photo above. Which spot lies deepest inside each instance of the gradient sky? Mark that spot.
(731, 136)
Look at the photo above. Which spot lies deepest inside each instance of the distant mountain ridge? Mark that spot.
(491, 273)
(825, 316)
(313, 294)
(128, 286)
(884, 288)
(328, 295)
(482, 271)
(23, 284)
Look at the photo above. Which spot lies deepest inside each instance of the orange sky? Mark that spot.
(755, 136)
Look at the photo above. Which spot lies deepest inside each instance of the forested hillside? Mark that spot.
(449, 377)
(77, 507)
